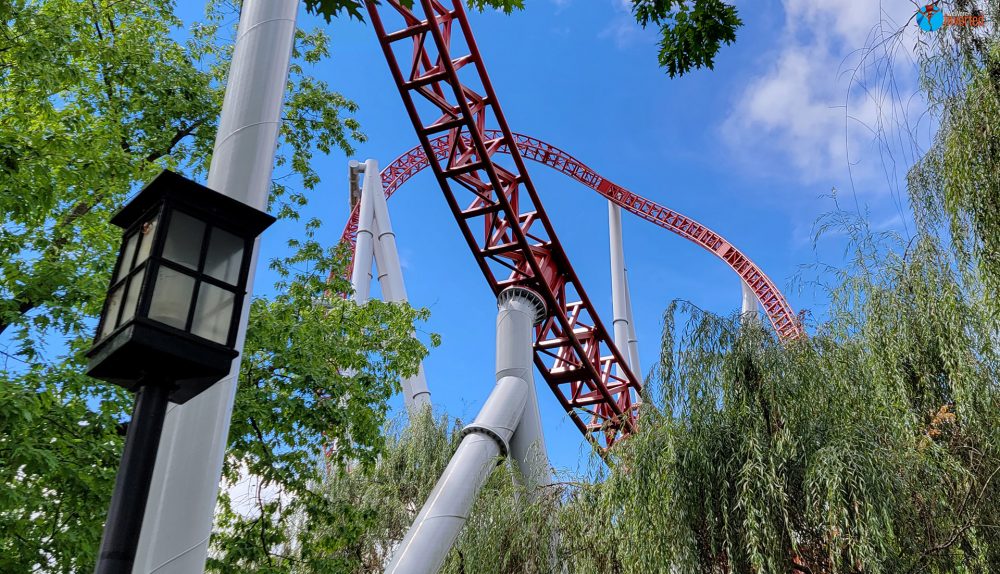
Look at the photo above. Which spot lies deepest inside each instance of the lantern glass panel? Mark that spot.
(171, 300)
(125, 263)
(111, 316)
(184, 237)
(132, 297)
(225, 253)
(147, 232)
(213, 313)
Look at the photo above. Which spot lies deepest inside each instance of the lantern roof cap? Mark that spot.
(193, 197)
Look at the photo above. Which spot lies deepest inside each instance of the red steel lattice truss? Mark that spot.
(449, 98)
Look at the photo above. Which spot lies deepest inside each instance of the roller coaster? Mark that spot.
(449, 98)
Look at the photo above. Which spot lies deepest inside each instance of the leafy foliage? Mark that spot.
(376, 503)
(864, 448)
(295, 397)
(691, 32)
(958, 180)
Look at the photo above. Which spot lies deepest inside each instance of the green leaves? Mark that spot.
(330, 9)
(691, 32)
(59, 459)
(317, 373)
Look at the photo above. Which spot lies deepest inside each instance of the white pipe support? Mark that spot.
(748, 307)
(619, 294)
(416, 393)
(427, 543)
(437, 526)
(518, 309)
(393, 288)
(364, 248)
(185, 485)
(633, 339)
(354, 171)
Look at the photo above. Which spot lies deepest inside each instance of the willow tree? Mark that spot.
(870, 446)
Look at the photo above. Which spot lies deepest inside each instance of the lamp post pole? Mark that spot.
(128, 503)
(168, 326)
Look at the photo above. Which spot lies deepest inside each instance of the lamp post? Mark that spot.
(168, 328)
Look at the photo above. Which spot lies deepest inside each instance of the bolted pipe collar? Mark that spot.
(529, 296)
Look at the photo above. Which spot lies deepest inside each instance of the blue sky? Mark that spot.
(748, 149)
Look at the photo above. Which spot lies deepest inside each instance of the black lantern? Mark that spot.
(178, 287)
(168, 330)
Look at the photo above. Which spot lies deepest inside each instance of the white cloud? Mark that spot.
(622, 28)
(835, 89)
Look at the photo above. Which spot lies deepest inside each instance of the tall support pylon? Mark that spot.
(621, 304)
(748, 307)
(633, 339)
(182, 498)
(364, 250)
(415, 390)
(437, 526)
(377, 242)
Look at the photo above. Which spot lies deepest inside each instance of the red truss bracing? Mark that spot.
(451, 102)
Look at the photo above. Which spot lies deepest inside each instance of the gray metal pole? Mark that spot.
(748, 307)
(364, 247)
(390, 274)
(182, 498)
(619, 293)
(440, 521)
(633, 339)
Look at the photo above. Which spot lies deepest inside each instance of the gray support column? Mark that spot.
(364, 247)
(619, 292)
(633, 339)
(440, 521)
(527, 446)
(390, 275)
(182, 499)
(748, 307)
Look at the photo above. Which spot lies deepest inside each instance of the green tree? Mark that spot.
(958, 181)
(295, 399)
(95, 98)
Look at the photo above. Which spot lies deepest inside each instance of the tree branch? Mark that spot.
(181, 134)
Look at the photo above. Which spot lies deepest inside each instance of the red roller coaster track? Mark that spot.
(502, 219)
(775, 307)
